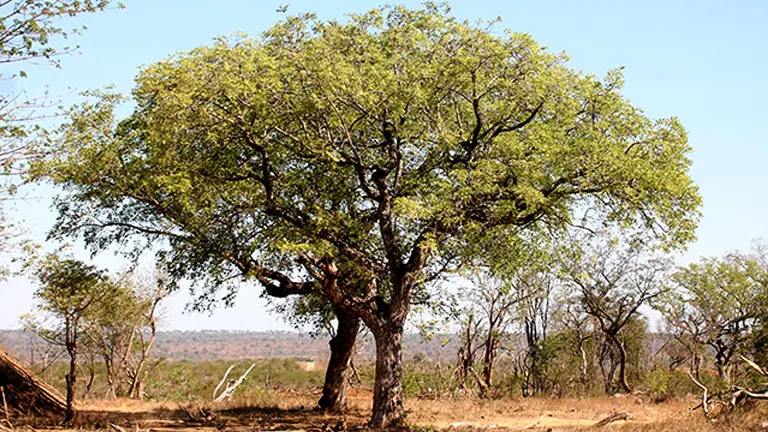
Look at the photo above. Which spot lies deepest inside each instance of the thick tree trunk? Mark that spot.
(722, 371)
(342, 348)
(388, 387)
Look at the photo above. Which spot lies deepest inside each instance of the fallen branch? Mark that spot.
(203, 415)
(761, 395)
(5, 405)
(611, 419)
(704, 404)
(731, 398)
(534, 424)
(6, 428)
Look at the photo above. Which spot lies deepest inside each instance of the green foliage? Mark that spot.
(760, 342)
(663, 384)
(29, 26)
(720, 303)
(188, 381)
(29, 32)
(68, 288)
(312, 311)
(380, 152)
(486, 132)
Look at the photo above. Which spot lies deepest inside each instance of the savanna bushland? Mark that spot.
(399, 171)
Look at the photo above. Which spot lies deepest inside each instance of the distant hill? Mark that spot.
(232, 345)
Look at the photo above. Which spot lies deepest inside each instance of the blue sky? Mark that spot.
(702, 61)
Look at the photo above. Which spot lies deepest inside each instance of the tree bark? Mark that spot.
(71, 378)
(489, 359)
(342, 348)
(135, 391)
(388, 386)
(111, 392)
(721, 363)
(91, 378)
(697, 365)
(584, 367)
(622, 364)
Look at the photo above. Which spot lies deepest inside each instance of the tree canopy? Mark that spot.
(30, 31)
(719, 302)
(362, 158)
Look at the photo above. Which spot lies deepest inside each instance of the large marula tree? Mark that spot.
(358, 159)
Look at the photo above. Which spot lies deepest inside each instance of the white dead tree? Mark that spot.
(729, 399)
(232, 385)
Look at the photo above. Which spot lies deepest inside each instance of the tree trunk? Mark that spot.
(584, 367)
(489, 359)
(111, 392)
(722, 372)
(622, 364)
(342, 348)
(721, 363)
(71, 379)
(697, 365)
(91, 378)
(388, 387)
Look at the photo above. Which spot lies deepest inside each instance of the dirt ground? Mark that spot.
(292, 411)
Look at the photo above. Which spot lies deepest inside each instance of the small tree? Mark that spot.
(122, 329)
(613, 280)
(68, 288)
(535, 292)
(488, 318)
(579, 326)
(718, 303)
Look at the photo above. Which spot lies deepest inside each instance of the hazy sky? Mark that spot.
(702, 61)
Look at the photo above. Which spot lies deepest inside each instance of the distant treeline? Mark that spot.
(208, 345)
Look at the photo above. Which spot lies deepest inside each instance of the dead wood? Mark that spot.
(201, 415)
(704, 403)
(24, 393)
(231, 387)
(534, 424)
(223, 380)
(731, 398)
(5, 404)
(611, 419)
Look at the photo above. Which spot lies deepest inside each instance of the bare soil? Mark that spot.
(293, 411)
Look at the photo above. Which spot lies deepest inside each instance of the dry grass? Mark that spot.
(292, 410)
